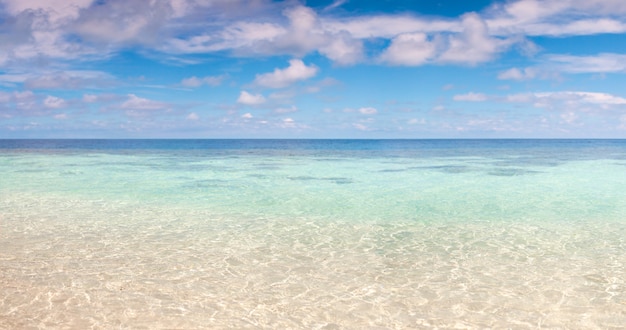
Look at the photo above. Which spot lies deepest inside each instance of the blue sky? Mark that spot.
(312, 69)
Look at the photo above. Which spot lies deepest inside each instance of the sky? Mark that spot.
(312, 69)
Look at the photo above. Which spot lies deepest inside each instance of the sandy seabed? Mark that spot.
(74, 264)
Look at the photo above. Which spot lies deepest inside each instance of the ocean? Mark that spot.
(312, 234)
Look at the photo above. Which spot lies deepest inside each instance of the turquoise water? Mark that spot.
(312, 233)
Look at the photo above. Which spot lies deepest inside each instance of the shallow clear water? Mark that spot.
(312, 234)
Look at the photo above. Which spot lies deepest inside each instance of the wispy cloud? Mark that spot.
(470, 97)
(208, 80)
(601, 63)
(543, 98)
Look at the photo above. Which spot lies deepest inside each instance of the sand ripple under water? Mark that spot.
(92, 264)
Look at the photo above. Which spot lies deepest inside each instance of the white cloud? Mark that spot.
(552, 65)
(415, 121)
(40, 29)
(25, 100)
(361, 127)
(389, 26)
(134, 102)
(124, 22)
(517, 74)
(71, 29)
(557, 17)
(409, 49)
(574, 97)
(197, 82)
(250, 99)
(592, 97)
(569, 117)
(280, 78)
(469, 43)
(602, 63)
(473, 45)
(289, 123)
(54, 102)
(193, 116)
(247, 116)
(55, 10)
(90, 98)
(335, 4)
(569, 100)
(470, 97)
(562, 100)
(343, 49)
(368, 111)
(25, 95)
(303, 33)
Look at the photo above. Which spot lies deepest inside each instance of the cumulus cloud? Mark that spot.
(54, 102)
(279, 78)
(303, 33)
(133, 102)
(288, 121)
(70, 29)
(361, 127)
(473, 45)
(250, 99)
(517, 74)
(25, 100)
(343, 49)
(409, 49)
(368, 111)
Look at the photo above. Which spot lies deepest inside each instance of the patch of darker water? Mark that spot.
(258, 176)
(207, 183)
(337, 180)
(394, 170)
(267, 166)
(511, 172)
(528, 161)
(30, 170)
(447, 168)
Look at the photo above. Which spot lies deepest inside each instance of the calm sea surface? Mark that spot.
(312, 234)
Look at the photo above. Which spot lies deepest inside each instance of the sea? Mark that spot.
(312, 234)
